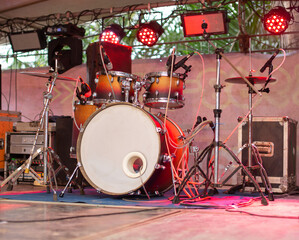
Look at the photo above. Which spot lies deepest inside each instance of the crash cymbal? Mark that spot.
(48, 75)
(252, 79)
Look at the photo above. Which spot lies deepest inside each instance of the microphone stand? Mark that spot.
(216, 144)
(264, 89)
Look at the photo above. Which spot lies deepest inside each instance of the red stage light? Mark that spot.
(109, 36)
(277, 20)
(113, 34)
(149, 33)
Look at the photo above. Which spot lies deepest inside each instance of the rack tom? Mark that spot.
(157, 86)
(117, 87)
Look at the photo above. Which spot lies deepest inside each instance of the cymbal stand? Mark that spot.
(44, 122)
(216, 144)
(253, 152)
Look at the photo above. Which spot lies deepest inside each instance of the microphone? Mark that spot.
(268, 63)
(107, 60)
(169, 63)
(85, 89)
(182, 61)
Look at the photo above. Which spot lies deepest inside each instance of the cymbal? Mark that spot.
(48, 75)
(252, 79)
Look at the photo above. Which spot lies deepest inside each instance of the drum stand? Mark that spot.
(216, 144)
(45, 151)
(71, 181)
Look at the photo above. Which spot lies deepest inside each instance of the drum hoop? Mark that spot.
(161, 74)
(120, 74)
(79, 141)
(180, 103)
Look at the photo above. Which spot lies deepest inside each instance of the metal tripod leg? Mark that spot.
(21, 169)
(193, 171)
(70, 180)
(207, 151)
(264, 201)
(263, 173)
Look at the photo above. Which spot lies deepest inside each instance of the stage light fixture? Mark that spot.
(149, 33)
(27, 41)
(69, 51)
(68, 30)
(216, 23)
(113, 34)
(277, 20)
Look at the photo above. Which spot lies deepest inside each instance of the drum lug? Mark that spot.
(111, 79)
(96, 80)
(184, 86)
(103, 106)
(178, 82)
(138, 192)
(157, 80)
(72, 150)
(160, 130)
(94, 94)
(147, 84)
(166, 158)
(157, 93)
(159, 114)
(159, 166)
(157, 193)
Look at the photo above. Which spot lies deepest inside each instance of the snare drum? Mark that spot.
(122, 148)
(120, 90)
(157, 88)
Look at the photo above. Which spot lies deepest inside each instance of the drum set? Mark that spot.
(121, 148)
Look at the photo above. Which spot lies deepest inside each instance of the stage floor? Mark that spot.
(21, 219)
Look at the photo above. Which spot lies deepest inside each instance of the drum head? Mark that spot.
(118, 148)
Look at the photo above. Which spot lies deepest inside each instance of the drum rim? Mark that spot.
(164, 100)
(161, 74)
(79, 140)
(119, 74)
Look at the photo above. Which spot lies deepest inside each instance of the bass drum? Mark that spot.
(123, 148)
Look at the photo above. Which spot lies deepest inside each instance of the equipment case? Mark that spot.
(275, 139)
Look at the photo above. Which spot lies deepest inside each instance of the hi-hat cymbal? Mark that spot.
(252, 80)
(48, 75)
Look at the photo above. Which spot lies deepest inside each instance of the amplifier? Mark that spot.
(22, 142)
(18, 148)
(275, 139)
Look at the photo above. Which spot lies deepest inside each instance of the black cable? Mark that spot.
(75, 217)
(260, 215)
